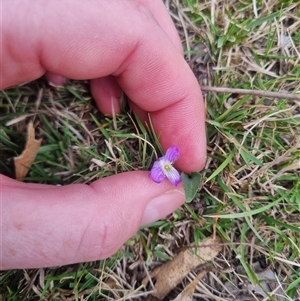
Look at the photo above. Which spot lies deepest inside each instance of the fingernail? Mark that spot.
(163, 205)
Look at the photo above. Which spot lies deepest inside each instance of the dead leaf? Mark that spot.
(268, 285)
(25, 160)
(171, 273)
(187, 293)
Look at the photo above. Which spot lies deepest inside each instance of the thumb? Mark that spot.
(45, 225)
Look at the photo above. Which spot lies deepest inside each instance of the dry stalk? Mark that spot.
(260, 93)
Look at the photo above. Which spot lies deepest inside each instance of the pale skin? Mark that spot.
(128, 45)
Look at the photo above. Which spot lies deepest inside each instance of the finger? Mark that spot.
(158, 9)
(52, 226)
(135, 50)
(106, 93)
(56, 80)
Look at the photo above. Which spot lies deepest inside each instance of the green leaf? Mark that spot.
(259, 21)
(221, 167)
(191, 185)
(247, 213)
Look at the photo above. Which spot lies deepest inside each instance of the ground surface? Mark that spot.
(251, 179)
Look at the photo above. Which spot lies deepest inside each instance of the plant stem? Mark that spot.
(261, 93)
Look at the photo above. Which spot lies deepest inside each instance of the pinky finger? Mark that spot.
(55, 79)
(106, 93)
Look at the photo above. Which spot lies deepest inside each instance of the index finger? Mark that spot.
(159, 81)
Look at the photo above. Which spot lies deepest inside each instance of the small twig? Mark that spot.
(261, 93)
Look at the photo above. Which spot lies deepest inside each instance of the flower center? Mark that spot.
(167, 167)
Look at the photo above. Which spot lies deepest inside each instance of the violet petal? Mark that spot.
(172, 154)
(157, 173)
(173, 175)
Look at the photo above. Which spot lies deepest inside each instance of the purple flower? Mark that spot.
(163, 168)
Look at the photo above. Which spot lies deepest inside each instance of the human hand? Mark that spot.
(118, 45)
